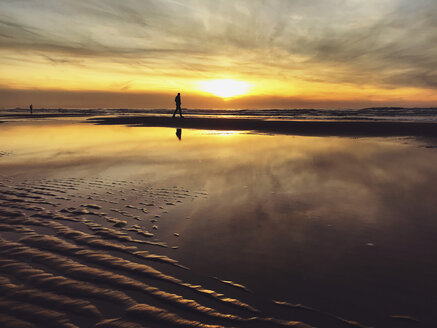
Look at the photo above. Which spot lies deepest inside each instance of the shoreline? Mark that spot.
(287, 127)
(45, 115)
(304, 128)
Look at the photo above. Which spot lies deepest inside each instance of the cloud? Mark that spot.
(390, 43)
(12, 98)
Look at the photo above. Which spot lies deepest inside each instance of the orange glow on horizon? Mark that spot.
(225, 88)
(234, 91)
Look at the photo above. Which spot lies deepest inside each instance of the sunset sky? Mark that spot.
(218, 54)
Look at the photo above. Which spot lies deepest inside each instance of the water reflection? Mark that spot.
(292, 217)
(179, 133)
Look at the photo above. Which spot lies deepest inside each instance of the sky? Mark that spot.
(218, 53)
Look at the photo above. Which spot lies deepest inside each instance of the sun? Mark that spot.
(225, 88)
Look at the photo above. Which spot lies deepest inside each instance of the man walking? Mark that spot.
(178, 105)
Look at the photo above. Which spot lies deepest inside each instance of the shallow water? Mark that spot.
(343, 226)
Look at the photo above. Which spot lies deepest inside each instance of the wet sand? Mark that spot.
(64, 250)
(306, 128)
(116, 226)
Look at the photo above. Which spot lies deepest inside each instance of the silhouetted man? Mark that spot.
(178, 105)
(31, 108)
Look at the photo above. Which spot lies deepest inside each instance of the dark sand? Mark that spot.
(305, 128)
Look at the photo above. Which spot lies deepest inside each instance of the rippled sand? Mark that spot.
(61, 252)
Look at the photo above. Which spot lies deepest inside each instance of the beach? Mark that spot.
(146, 221)
(218, 164)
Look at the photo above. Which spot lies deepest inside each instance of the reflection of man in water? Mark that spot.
(31, 108)
(178, 105)
(179, 133)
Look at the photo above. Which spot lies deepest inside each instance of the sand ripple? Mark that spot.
(64, 262)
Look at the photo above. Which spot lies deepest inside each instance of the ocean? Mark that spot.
(398, 114)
